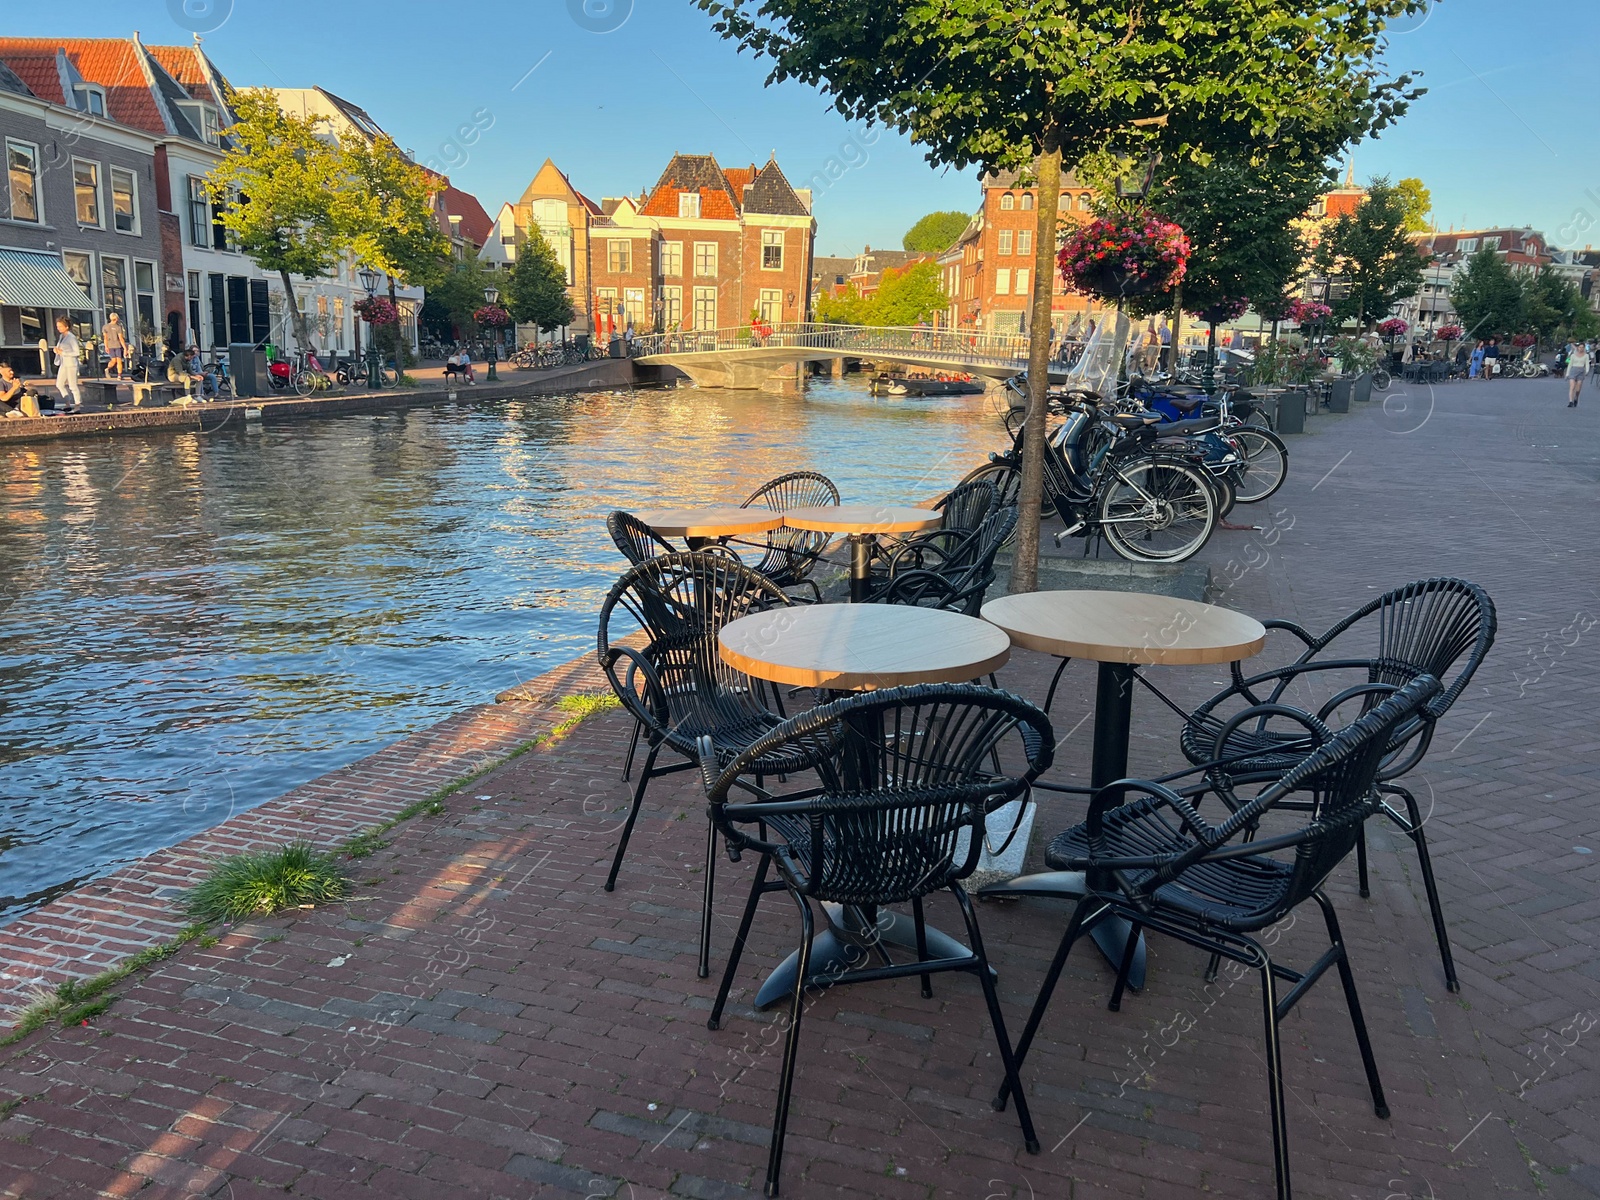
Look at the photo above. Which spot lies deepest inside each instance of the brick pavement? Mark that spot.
(483, 1020)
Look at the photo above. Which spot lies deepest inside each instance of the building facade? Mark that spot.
(563, 216)
(1524, 250)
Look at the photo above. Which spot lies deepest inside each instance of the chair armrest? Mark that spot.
(911, 587)
(654, 716)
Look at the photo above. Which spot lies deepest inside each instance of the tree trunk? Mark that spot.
(1025, 562)
(1177, 326)
(297, 319)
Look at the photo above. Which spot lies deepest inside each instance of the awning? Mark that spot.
(34, 280)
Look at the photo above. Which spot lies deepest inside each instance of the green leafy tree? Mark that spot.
(282, 194)
(1015, 83)
(1554, 310)
(391, 220)
(907, 296)
(1375, 260)
(1487, 296)
(848, 308)
(1417, 203)
(537, 292)
(936, 232)
(455, 295)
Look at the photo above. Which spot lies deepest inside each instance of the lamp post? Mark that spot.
(491, 295)
(369, 280)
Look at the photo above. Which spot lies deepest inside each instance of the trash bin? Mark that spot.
(1339, 395)
(247, 366)
(1292, 412)
(1362, 392)
(619, 348)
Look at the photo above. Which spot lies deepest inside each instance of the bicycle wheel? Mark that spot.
(1381, 380)
(389, 376)
(305, 382)
(1265, 465)
(1224, 491)
(1157, 510)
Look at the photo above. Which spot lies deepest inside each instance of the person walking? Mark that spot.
(1491, 358)
(67, 365)
(1577, 368)
(115, 340)
(1475, 363)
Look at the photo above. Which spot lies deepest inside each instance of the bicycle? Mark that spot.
(311, 377)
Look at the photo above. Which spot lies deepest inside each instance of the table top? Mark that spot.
(1126, 627)
(859, 647)
(723, 520)
(863, 518)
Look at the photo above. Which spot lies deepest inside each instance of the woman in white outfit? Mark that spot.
(1577, 368)
(67, 365)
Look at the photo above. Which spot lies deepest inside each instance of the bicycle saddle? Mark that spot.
(1133, 420)
(1189, 428)
(1184, 402)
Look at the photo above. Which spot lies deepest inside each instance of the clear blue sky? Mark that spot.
(1506, 135)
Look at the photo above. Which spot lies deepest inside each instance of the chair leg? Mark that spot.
(633, 746)
(791, 1047)
(1353, 1003)
(1420, 839)
(922, 945)
(633, 815)
(1008, 1058)
(1361, 862)
(1275, 1102)
(757, 889)
(1074, 928)
(1211, 968)
(1128, 952)
(708, 898)
(1050, 696)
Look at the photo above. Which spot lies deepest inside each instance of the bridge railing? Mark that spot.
(956, 346)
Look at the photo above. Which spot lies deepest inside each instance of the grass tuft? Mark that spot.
(260, 884)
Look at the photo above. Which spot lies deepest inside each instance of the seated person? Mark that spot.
(15, 399)
(464, 365)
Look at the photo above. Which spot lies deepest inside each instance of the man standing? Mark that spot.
(67, 365)
(115, 339)
(1491, 358)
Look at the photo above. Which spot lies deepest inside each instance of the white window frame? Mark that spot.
(1005, 241)
(770, 305)
(705, 295)
(199, 230)
(1008, 202)
(1491, 243)
(1025, 242)
(672, 260)
(85, 94)
(1467, 245)
(88, 256)
(99, 194)
(1027, 201)
(133, 199)
(1002, 281)
(689, 206)
(671, 307)
(1022, 281)
(771, 239)
(38, 192)
(618, 249)
(698, 248)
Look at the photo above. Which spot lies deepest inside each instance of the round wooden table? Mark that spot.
(1120, 631)
(700, 525)
(859, 647)
(863, 522)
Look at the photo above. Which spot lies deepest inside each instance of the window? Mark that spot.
(193, 296)
(1083, 201)
(689, 204)
(672, 259)
(114, 287)
(338, 323)
(204, 119)
(671, 307)
(606, 303)
(1467, 245)
(1002, 281)
(81, 267)
(86, 191)
(124, 201)
(90, 99)
(1022, 282)
(22, 165)
(705, 308)
(619, 256)
(1005, 241)
(705, 259)
(772, 249)
(199, 213)
(633, 306)
(1024, 241)
(1027, 201)
(1007, 202)
(144, 286)
(1491, 243)
(771, 305)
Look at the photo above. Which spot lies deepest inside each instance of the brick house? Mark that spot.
(1524, 250)
(564, 217)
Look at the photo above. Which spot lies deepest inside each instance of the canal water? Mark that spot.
(192, 623)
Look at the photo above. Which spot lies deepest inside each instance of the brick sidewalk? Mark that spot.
(483, 1020)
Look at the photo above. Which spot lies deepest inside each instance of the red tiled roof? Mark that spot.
(113, 63)
(476, 224)
(593, 208)
(38, 71)
(739, 176)
(183, 64)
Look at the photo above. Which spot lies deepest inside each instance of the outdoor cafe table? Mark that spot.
(697, 526)
(849, 648)
(863, 522)
(1120, 631)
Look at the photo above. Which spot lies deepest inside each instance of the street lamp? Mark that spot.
(369, 280)
(491, 295)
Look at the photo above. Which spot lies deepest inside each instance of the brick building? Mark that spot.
(1523, 249)
(564, 217)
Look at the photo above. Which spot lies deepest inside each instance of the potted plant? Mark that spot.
(1124, 254)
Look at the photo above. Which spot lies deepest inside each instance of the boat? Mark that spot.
(924, 385)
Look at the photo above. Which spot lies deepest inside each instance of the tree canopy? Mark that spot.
(1374, 259)
(904, 296)
(1487, 296)
(1554, 309)
(537, 291)
(1416, 202)
(936, 232)
(390, 213)
(455, 295)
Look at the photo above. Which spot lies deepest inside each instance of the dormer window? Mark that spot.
(204, 119)
(90, 99)
(689, 205)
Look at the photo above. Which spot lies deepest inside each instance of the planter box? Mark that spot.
(1339, 395)
(1291, 415)
(1363, 389)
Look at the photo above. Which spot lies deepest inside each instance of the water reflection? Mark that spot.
(193, 623)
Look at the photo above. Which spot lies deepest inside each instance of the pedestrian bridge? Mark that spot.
(743, 357)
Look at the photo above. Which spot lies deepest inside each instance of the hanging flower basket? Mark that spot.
(1392, 328)
(1224, 311)
(1449, 333)
(1523, 340)
(492, 315)
(376, 310)
(1124, 254)
(1309, 312)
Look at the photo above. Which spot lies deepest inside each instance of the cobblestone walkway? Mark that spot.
(483, 1020)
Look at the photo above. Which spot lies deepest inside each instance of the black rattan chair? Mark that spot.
(946, 569)
(966, 505)
(1152, 860)
(788, 555)
(676, 686)
(1441, 627)
(635, 539)
(898, 815)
